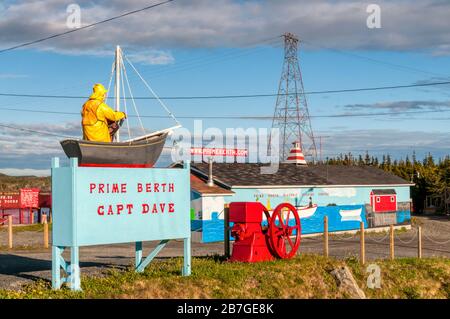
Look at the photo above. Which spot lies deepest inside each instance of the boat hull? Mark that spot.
(351, 214)
(142, 153)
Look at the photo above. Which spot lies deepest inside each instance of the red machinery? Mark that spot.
(255, 242)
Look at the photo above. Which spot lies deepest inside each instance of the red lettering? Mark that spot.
(156, 187)
(163, 185)
(100, 188)
(148, 188)
(171, 187)
(162, 206)
(119, 209)
(139, 188)
(171, 207)
(101, 210)
(129, 207)
(155, 209)
(92, 186)
(124, 188)
(115, 188)
(110, 210)
(145, 208)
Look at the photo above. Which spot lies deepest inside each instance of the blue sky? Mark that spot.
(214, 55)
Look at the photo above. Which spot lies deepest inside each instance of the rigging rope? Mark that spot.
(132, 97)
(113, 68)
(125, 103)
(153, 92)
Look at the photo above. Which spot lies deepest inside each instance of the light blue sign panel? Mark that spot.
(97, 206)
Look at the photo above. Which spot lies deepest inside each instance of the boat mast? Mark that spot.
(117, 86)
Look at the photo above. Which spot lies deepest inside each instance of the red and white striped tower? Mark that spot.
(296, 155)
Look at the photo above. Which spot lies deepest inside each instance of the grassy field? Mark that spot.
(14, 183)
(24, 228)
(307, 276)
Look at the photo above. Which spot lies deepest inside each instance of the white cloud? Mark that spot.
(25, 172)
(406, 25)
(152, 57)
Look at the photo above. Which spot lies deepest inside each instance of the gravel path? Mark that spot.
(29, 261)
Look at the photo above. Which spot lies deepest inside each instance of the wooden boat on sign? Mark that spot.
(141, 151)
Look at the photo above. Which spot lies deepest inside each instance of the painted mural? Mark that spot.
(345, 207)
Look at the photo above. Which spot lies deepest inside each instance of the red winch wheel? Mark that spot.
(280, 231)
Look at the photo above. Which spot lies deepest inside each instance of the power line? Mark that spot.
(34, 131)
(243, 117)
(373, 60)
(84, 27)
(204, 97)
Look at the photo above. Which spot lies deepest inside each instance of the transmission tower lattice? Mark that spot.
(291, 115)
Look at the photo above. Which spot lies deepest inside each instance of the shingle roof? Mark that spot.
(199, 185)
(249, 174)
(383, 191)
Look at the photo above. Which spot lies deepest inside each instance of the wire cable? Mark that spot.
(35, 131)
(84, 27)
(392, 87)
(244, 117)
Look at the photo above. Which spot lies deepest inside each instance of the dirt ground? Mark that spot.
(29, 261)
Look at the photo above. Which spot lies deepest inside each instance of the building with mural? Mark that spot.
(348, 195)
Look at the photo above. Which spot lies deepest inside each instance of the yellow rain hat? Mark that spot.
(99, 91)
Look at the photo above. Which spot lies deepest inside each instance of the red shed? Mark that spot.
(383, 200)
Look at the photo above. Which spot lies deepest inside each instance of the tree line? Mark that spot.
(431, 176)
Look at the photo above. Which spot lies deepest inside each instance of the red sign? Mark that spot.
(9, 200)
(29, 197)
(219, 151)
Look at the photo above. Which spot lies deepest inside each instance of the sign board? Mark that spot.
(9, 200)
(29, 197)
(95, 206)
(98, 206)
(219, 152)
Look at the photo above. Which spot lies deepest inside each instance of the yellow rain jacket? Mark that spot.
(95, 114)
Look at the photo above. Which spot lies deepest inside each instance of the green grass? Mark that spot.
(25, 228)
(306, 276)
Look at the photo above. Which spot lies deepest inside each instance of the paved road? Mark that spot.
(29, 262)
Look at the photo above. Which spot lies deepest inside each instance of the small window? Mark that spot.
(392, 199)
(378, 199)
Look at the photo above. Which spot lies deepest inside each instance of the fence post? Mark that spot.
(391, 242)
(325, 236)
(10, 232)
(363, 244)
(226, 230)
(419, 245)
(44, 219)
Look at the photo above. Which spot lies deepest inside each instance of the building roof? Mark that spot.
(199, 185)
(383, 191)
(249, 174)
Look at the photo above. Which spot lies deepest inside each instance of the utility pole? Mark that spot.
(320, 146)
(291, 115)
